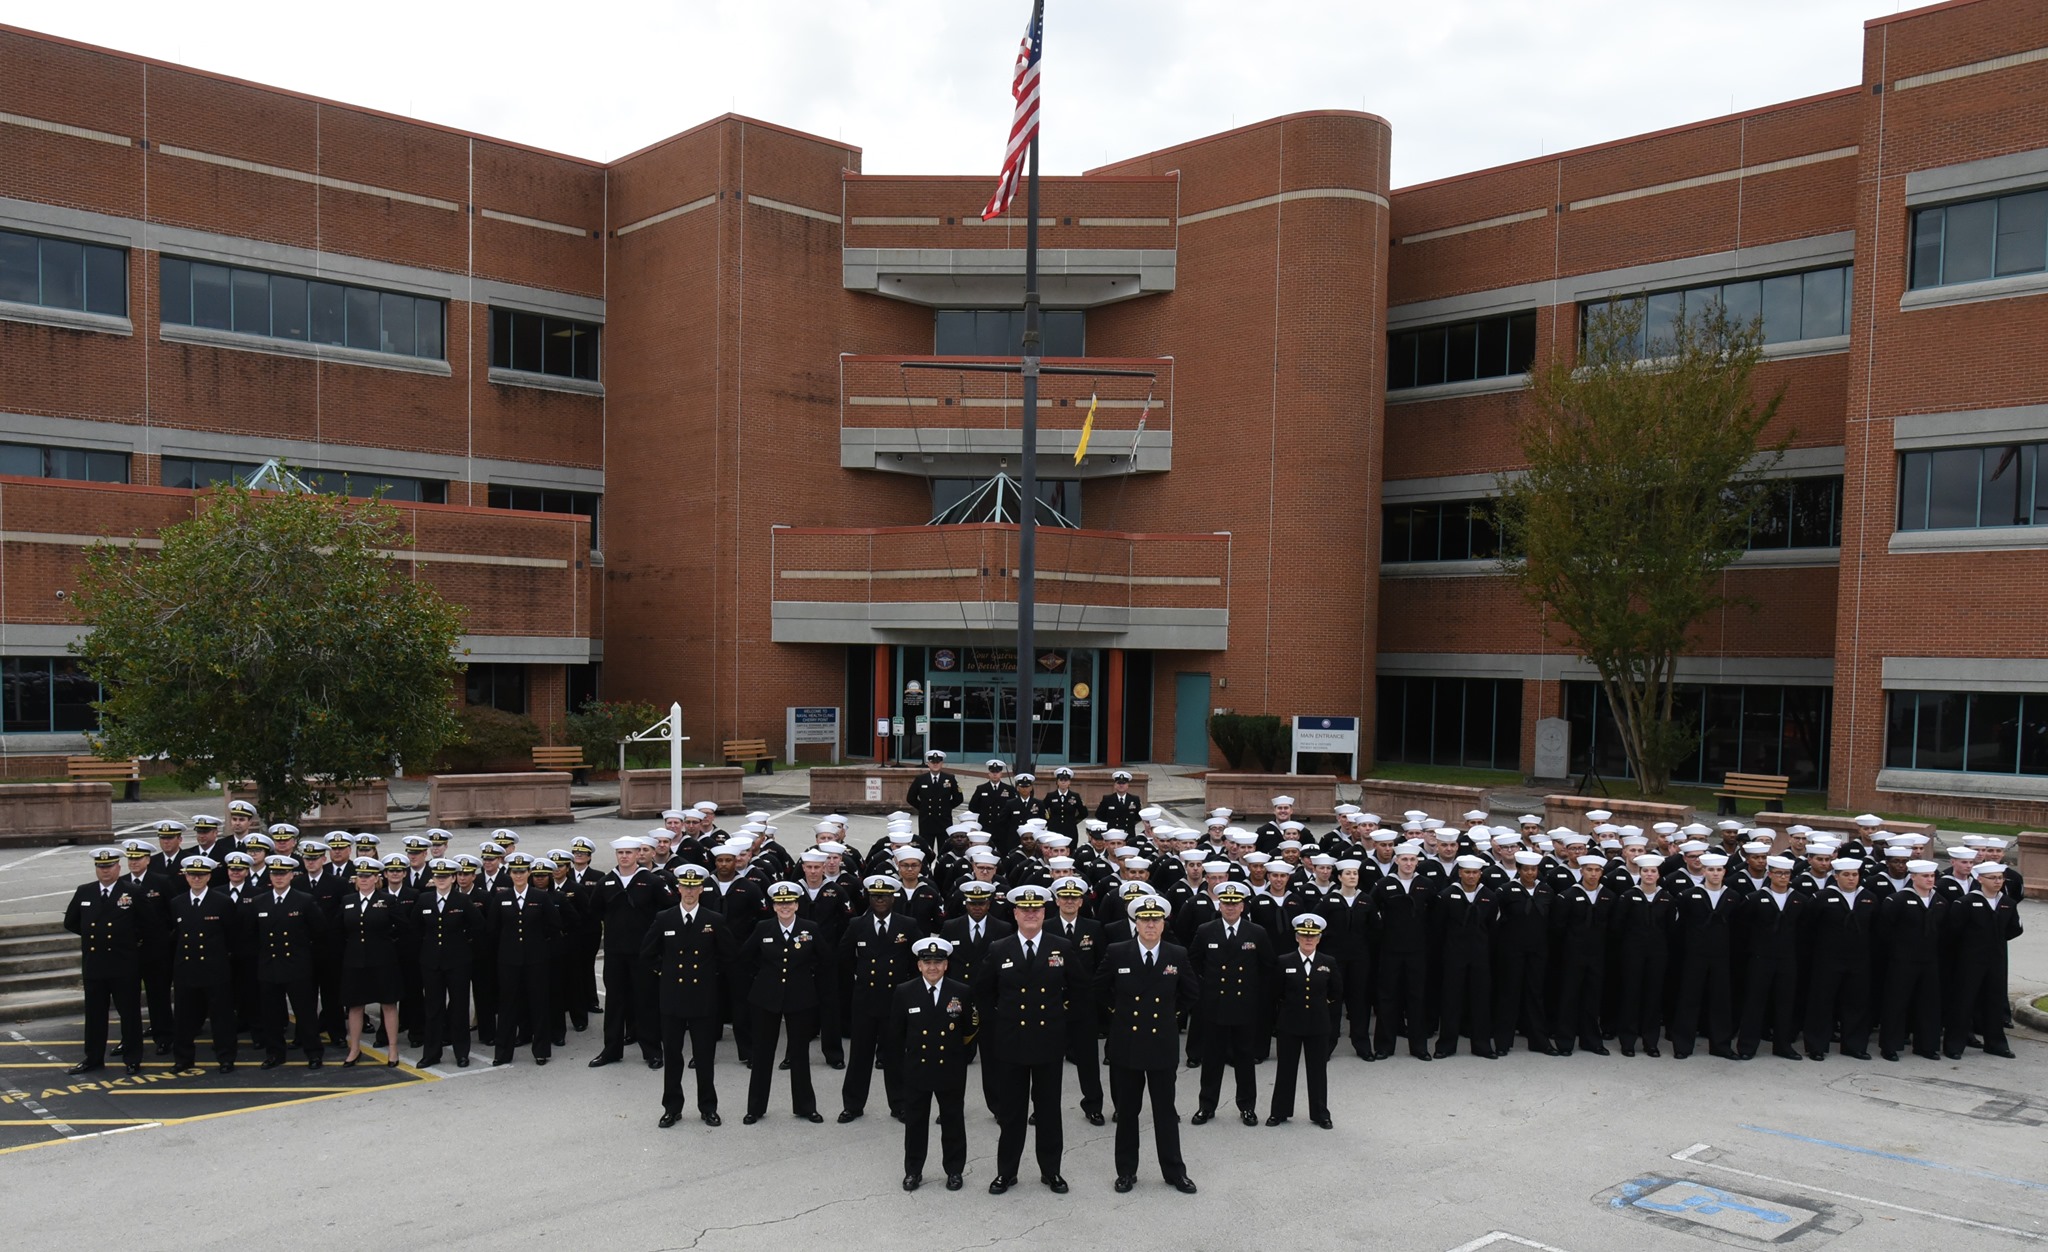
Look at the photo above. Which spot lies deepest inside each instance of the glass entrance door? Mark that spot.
(972, 703)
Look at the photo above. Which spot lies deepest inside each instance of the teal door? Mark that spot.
(1191, 719)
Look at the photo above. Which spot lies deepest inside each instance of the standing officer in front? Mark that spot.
(1032, 994)
(1310, 987)
(1142, 984)
(450, 926)
(106, 915)
(1119, 809)
(784, 974)
(689, 950)
(203, 947)
(933, 797)
(1233, 958)
(932, 1024)
(875, 953)
(525, 926)
(285, 926)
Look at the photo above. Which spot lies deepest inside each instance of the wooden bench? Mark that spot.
(99, 769)
(755, 750)
(1736, 787)
(567, 759)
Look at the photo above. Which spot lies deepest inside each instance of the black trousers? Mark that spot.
(1912, 1009)
(272, 1000)
(411, 991)
(1357, 1004)
(701, 1033)
(1022, 1090)
(763, 1027)
(1230, 1044)
(1467, 1003)
(1401, 998)
(1703, 992)
(212, 1003)
(1127, 1088)
(1085, 1055)
(631, 1005)
(1639, 1001)
(124, 993)
(483, 987)
(1976, 1005)
(524, 1004)
(1316, 1050)
(1771, 1007)
(867, 1022)
(156, 989)
(1518, 1001)
(917, 1128)
(1838, 995)
(1579, 988)
(444, 995)
(333, 1013)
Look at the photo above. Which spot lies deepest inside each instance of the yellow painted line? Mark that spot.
(279, 1104)
(219, 1091)
(77, 1121)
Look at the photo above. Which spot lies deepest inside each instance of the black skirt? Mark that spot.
(378, 984)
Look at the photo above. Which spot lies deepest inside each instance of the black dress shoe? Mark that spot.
(848, 1115)
(163, 1049)
(1681, 1054)
(1651, 1049)
(1382, 1054)
(835, 1062)
(2002, 1050)
(1598, 1049)
(1956, 1055)
(271, 1062)
(912, 1182)
(1891, 1056)
(1249, 1117)
(669, 1119)
(1201, 1117)
(1055, 1183)
(429, 1060)
(1816, 1056)
(1857, 1056)
(134, 1068)
(1094, 1116)
(227, 1067)
(496, 1061)
(540, 1060)
(954, 1182)
(1724, 1053)
(1275, 1120)
(710, 1119)
(999, 1184)
(750, 1119)
(1550, 1049)
(603, 1059)
(814, 1117)
(86, 1067)
(1194, 1062)
(461, 1062)
(1125, 1184)
(1184, 1184)
(1441, 1053)
(1325, 1122)
(654, 1062)
(1628, 1049)
(1786, 1054)
(783, 1064)
(1488, 1054)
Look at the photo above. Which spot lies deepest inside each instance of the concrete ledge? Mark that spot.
(497, 799)
(2033, 862)
(66, 812)
(1570, 811)
(644, 792)
(1315, 795)
(866, 788)
(1840, 825)
(2024, 1012)
(1390, 799)
(365, 807)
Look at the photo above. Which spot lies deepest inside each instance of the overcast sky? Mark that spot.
(922, 85)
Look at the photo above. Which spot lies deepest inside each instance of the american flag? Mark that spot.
(1024, 123)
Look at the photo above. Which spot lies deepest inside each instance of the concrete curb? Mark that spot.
(2024, 1012)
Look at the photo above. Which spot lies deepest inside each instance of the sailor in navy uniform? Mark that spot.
(932, 1026)
(106, 917)
(1309, 987)
(1142, 984)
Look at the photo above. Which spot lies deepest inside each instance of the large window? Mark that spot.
(1810, 305)
(192, 473)
(1474, 722)
(1000, 332)
(503, 687)
(1749, 730)
(1799, 513)
(63, 274)
(534, 344)
(547, 500)
(1980, 239)
(1980, 732)
(77, 464)
(1062, 495)
(46, 693)
(1972, 488)
(1493, 347)
(284, 306)
(1445, 530)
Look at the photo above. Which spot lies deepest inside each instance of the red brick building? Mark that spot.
(654, 415)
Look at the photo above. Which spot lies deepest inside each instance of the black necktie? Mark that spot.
(196, 900)
(935, 995)
(689, 918)
(1148, 960)
(106, 893)
(1030, 949)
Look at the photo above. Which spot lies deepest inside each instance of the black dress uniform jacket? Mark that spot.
(689, 961)
(935, 1041)
(933, 796)
(1141, 1003)
(784, 977)
(451, 935)
(1028, 1007)
(203, 938)
(285, 936)
(110, 928)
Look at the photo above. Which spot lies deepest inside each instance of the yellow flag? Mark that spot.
(1087, 429)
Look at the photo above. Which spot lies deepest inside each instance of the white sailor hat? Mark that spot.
(1607, 828)
(1323, 860)
(831, 847)
(1992, 843)
(1528, 858)
(1779, 862)
(1482, 843)
(1345, 810)
(909, 854)
(976, 839)
(1506, 838)
(626, 843)
(1922, 867)
(1869, 820)
(706, 807)
(1410, 848)
(1151, 813)
(1059, 864)
(1755, 848)
(1278, 869)
(1469, 861)
(1054, 839)
(1762, 834)
(1665, 828)
(1370, 819)
(932, 946)
(1691, 846)
(1415, 815)
(1215, 867)
(1216, 823)
(1476, 815)
(1590, 859)
(1599, 815)
(1349, 862)
(1848, 865)
(1989, 869)
(1528, 819)
(1729, 824)
(814, 856)
(1635, 841)
(1649, 860)
(1386, 836)
(1695, 830)
(1962, 854)
(1257, 858)
(1280, 800)
(982, 856)
(1243, 838)
(1193, 855)
(1973, 841)
(1713, 860)
(1411, 827)
(1290, 825)
(900, 837)
(1898, 849)
(679, 815)
(1222, 811)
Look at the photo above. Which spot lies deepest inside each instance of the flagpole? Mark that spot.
(1027, 524)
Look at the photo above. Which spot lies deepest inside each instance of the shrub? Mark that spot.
(491, 741)
(600, 725)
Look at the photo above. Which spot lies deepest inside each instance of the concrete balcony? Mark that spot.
(961, 423)
(922, 240)
(955, 584)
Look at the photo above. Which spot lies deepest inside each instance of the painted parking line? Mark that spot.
(1492, 1237)
(1691, 1157)
(1901, 1157)
(35, 857)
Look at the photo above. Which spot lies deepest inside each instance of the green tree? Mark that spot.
(1645, 467)
(271, 638)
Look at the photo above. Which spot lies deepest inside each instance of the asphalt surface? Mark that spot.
(1571, 1154)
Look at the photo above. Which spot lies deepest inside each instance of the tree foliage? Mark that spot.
(601, 725)
(1643, 478)
(271, 638)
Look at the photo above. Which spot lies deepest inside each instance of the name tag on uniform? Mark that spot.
(917, 1010)
(860, 943)
(1008, 964)
(263, 915)
(668, 932)
(1289, 970)
(1123, 969)
(506, 904)
(1215, 945)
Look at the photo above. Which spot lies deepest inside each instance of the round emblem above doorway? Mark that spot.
(945, 658)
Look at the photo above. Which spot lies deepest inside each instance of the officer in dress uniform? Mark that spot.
(784, 975)
(1119, 809)
(1031, 993)
(1233, 959)
(1142, 984)
(449, 923)
(628, 899)
(284, 926)
(152, 888)
(933, 796)
(525, 926)
(106, 916)
(690, 952)
(203, 947)
(875, 953)
(1308, 989)
(932, 1025)
(1065, 810)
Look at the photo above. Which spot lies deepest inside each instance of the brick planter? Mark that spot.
(1390, 799)
(455, 800)
(66, 812)
(2033, 862)
(1315, 795)
(1571, 811)
(365, 807)
(845, 788)
(1839, 825)
(644, 792)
